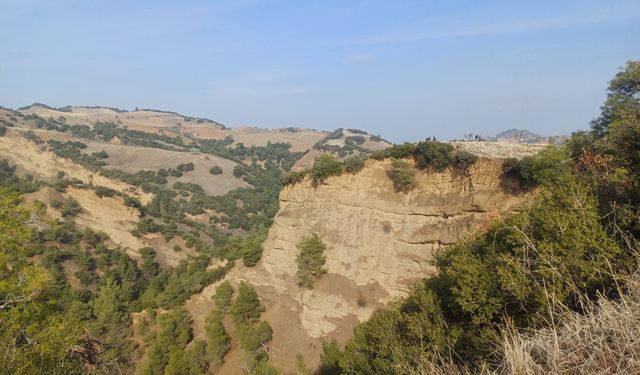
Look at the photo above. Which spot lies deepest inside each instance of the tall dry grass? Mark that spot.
(604, 340)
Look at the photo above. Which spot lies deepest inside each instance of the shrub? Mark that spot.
(353, 164)
(594, 342)
(100, 155)
(436, 155)
(215, 170)
(326, 165)
(402, 175)
(546, 167)
(357, 139)
(464, 159)
(147, 225)
(238, 171)
(330, 358)
(310, 260)
(186, 167)
(132, 202)
(68, 207)
(3, 130)
(187, 186)
(175, 172)
(293, 178)
(402, 151)
(102, 191)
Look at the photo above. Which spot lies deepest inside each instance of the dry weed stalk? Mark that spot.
(603, 340)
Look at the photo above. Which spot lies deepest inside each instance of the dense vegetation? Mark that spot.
(580, 231)
(98, 287)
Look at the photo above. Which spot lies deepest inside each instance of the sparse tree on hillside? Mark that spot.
(223, 296)
(310, 260)
(215, 170)
(218, 341)
(247, 307)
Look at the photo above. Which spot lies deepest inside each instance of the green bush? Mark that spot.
(402, 174)
(186, 167)
(100, 155)
(464, 159)
(402, 151)
(238, 171)
(293, 178)
(330, 358)
(215, 170)
(436, 155)
(326, 165)
(102, 191)
(357, 139)
(147, 225)
(353, 164)
(68, 207)
(310, 260)
(3, 130)
(543, 168)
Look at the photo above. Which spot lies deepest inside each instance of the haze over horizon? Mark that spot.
(402, 71)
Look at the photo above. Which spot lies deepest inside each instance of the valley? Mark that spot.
(175, 245)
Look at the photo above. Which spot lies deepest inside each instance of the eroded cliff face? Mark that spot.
(378, 242)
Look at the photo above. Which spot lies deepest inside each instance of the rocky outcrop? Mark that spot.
(378, 243)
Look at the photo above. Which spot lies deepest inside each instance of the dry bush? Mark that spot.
(604, 340)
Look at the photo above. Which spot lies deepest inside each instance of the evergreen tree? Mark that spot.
(218, 341)
(310, 260)
(222, 297)
(247, 307)
(330, 358)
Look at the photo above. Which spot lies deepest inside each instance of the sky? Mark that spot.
(405, 70)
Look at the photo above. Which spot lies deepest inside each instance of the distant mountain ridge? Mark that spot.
(524, 136)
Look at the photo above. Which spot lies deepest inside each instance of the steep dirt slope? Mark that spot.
(378, 242)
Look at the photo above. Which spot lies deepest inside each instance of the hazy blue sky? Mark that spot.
(403, 69)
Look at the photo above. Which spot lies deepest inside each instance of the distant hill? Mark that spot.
(524, 136)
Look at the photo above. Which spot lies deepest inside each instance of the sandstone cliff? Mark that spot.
(378, 242)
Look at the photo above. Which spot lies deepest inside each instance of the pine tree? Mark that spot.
(218, 342)
(247, 307)
(310, 260)
(223, 296)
